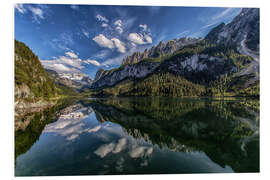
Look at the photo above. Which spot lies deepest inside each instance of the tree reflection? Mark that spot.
(219, 128)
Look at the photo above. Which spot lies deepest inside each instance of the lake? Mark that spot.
(139, 136)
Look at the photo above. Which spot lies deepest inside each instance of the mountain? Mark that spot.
(243, 28)
(33, 87)
(224, 54)
(160, 50)
(243, 33)
(75, 81)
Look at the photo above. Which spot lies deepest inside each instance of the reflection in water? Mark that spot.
(142, 136)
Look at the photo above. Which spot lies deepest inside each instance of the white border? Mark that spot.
(7, 66)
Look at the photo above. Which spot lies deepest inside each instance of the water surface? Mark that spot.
(140, 136)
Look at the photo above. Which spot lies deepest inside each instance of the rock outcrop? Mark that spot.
(160, 50)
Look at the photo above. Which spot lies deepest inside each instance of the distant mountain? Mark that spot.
(75, 81)
(32, 83)
(193, 63)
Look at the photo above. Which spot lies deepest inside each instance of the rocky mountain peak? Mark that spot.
(160, 50)
(244, 27)
(99, 74)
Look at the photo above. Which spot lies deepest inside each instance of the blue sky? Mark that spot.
(74, 38)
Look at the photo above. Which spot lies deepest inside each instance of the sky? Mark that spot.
(84, 38)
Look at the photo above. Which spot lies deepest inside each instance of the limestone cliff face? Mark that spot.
(245, 26)
(160, 50)
(137, 70)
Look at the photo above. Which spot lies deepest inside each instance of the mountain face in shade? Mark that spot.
(244, 27)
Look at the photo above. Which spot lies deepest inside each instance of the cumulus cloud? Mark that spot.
(102, 18)
(119, 45)
(69, 63)
(113, 43)
(102, 41)
(104, 25)
(148, 39)
(63, 64)
(143, 26)
(118, 27)
(118, 22)
(138, 38)
(71, 54)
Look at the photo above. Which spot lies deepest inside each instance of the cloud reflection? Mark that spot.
(70, 124)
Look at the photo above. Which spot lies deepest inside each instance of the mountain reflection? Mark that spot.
(227, 131)
(139, 135)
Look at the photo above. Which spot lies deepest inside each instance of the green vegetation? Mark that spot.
(30, 74)
(154, 85)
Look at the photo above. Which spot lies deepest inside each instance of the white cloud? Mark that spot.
(70, 125)
(70, 63)
(37, 13)
(85, 33)
(71, 54)
(136, 38)
(222, 14)
(113, 43)
(102, 41)
(143, 26)
(102, 54)
(184, 32)
(119, 29)
(208, 25)
(60, 67)
(76, 63)
(119, 45)
(104, 25)
(94, 62)
(20, 8)
(139, 38)
(102, 18)
(118, 22)
(148, 39)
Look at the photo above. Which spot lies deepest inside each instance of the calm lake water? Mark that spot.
(139, 136)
